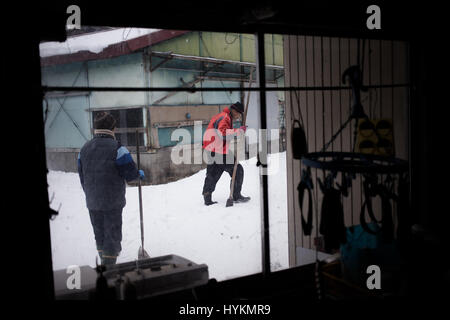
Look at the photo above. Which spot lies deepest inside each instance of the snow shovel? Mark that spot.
(230, 200)
(142, 254)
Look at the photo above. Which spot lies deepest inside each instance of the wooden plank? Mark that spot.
(401, 62)
(289, 163)
(321, 118)
(129, 130)
(178, 123)
(386, 78)
(336, 105)
(345, 136)
(178, 113)
(155, 138)
(310, 121)
(326, 81)
(335, 80)
(303, 107)
(314, 113)
(368, 99)
(357, 196)
(401, 109)
(327, 95)
(375, 78)
(148, 136)
(295, 115)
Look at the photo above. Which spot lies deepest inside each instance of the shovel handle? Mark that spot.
(244, 118)
(140, 189)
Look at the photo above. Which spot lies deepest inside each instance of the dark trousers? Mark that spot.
(107, 227)
(214, 171)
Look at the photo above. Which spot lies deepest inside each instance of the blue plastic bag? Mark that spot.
(364, 249)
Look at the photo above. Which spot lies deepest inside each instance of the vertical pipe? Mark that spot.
(123, 124)
(260, 59)
(138, 158)
(147, 60)
(91, 122)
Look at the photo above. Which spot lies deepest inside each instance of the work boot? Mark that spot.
(240, 198)
(207, 197)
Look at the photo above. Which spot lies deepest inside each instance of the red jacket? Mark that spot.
(219, 133)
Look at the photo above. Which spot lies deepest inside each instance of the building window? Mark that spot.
(128, 121)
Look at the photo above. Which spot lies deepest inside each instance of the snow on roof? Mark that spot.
(93, 42)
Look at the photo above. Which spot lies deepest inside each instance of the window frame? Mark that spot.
(119, 131)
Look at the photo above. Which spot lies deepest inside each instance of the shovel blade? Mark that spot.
(230, 202)
(142, 254)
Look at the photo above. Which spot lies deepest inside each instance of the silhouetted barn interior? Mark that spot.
(321, 38)
(318, 61)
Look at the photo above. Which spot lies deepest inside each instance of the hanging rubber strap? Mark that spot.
(369, 192)
(387, 224)
(362, 218)
(299, 144)
(346, 183)
(306, 184)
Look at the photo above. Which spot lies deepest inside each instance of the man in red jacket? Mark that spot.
(216, 141)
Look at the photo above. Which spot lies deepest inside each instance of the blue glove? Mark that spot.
(141, 174)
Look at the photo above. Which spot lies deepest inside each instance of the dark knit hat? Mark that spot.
(104, 120)
(238, 107)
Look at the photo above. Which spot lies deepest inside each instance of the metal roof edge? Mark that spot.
(114, 50)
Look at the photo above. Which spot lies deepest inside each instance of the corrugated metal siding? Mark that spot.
(69, 126)
(220, 45)
(132, 70)
(123, 71)
(320, 61)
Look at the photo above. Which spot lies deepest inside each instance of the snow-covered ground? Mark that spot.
(177, 222)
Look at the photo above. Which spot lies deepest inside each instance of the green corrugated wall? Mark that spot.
(228, 46)
(69, 128)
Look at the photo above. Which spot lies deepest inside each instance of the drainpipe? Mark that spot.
(146, 63)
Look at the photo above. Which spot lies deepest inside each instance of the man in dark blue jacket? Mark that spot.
(104, 166)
